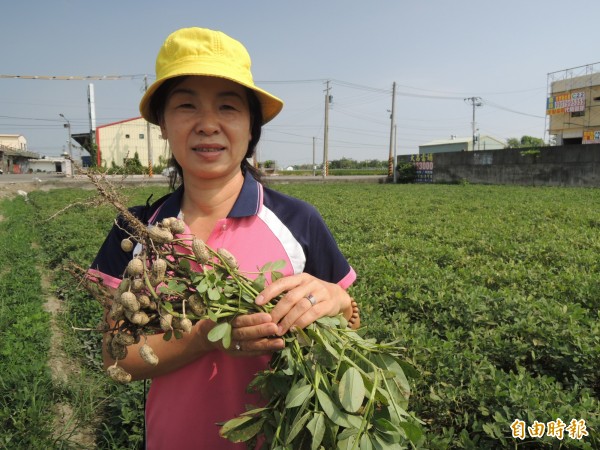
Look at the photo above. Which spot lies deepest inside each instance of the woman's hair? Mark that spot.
(157, 105)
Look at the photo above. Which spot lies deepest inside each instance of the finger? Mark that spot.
(294, 302)
(248, 320)
(254, 332)
(256, 347)
(278, 287)
(302, 315)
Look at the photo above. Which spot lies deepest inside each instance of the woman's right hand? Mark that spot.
(254, 335)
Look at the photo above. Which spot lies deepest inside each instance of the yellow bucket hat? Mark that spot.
(199, 51)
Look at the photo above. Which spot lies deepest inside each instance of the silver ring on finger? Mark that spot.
(311, 298)
(238, 346)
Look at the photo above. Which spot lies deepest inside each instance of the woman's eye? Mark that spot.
(186, 105)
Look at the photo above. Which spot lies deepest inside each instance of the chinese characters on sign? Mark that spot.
(556, 428)
(561, 103)
(424, 165)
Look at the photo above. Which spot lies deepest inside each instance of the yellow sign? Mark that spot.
(591, 137)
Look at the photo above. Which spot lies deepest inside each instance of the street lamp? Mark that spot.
(68, 127)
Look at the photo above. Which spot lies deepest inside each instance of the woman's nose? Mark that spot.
(206, 123)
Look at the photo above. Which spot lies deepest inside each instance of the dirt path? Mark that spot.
(67, 425)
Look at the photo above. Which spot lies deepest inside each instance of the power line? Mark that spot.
(495, 105)
(72, 77)
(314, 80)
(30, 118)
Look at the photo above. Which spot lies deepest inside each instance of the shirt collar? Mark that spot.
(250, 198)
(247, 204)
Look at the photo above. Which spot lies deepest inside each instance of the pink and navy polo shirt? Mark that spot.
(184, 406)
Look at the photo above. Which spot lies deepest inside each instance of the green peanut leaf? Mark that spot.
(297, 427)
(331, 410)
(389, 431)
(351, 390)
(381, 443)
(219, 332)
(276, 276)
(297, 395)
(174, 286)
(393, 366)
(259, 283)
(316, 426)
(323, 357)
(168, 307)
(202, 286)
(212, 316)
(365, 442)
(214, 294)
(253, 412)
(347, 443)
(184, 265)
(413, 432)
(241, 429)
(227, 338)
(272, 266)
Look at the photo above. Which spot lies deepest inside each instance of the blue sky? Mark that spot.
(438, 52)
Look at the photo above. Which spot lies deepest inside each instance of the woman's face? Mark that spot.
(207, 123)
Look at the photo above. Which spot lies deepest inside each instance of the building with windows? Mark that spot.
(122, 140)
(573, 105)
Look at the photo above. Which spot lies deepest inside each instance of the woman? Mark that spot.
(211, 113)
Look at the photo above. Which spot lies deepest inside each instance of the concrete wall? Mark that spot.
(574, 165)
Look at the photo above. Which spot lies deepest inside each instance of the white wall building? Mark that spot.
(50, 165)
(120, 141)
(464, 144)
(14, 141)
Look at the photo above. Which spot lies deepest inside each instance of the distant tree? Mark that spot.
(513, 143)
(525, 142)
(344, 163)
(529, 141)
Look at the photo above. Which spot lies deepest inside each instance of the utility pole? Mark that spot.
(92, 113)
(395, 151)
(326, 131)
(314, 166)
(68, 127)
(149, 140)
(391, 162)
(475, 101)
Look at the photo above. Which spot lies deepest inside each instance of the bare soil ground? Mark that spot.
(8, 190)
(63, 369)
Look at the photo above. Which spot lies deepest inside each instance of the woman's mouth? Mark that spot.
(211, 149)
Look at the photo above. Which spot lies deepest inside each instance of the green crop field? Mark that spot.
(494, 292)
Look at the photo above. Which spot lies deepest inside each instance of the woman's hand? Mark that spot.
(254, 335)
(306, 299)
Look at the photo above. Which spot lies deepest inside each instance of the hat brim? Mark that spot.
(270, 105)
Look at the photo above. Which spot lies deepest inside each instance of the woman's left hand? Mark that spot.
(306, 299)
